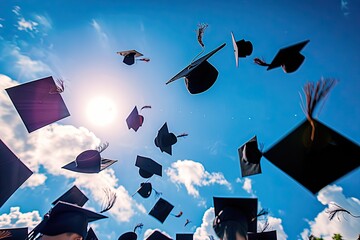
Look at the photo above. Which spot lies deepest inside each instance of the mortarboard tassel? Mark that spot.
(32, 235)
(59, 88)
(102, 147)
(182, 135)
(261, 62)
(211, 237)
(178, 215)
(138, 226)
(338, 210)
(263, 212)
(109, 201)
(187, 222)
(146, 106)
(144, 59)
(157, 194)
(200, 33)
(5, 234)
(266, 226)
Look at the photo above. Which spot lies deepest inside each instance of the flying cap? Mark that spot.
(145, 189)
(314, 164)
(91, 235)
(199, 75)
(89, 161)
(161, 210)
(242, 48)
(289, 58)
(128, 236)
(134, 120)
(270, 235)
(73, 196)
(129, 56)
(13, 173)
(164, 139)
(157, 235)
(235, 215)
(250, 156)
(68, 218)
(184, 236)
(148, 167)
(38, 103)
(14, 233)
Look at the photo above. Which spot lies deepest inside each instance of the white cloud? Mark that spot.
(149, 231)
(274, 224)
(205, 230)
(347, 226)
(192, 174)
(26, 25)
(44, 21)
(17, 219)
(247, 186)
(54, 146)
(102, 35)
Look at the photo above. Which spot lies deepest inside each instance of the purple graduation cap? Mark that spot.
(73, 196)
(13, 173)
(39, 102)
(135, 120)
(90, 161)
(14, 233)
(161, 210)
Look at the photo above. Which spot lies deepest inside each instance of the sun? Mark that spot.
(101, 111)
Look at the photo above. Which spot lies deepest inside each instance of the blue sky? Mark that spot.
(78, 42)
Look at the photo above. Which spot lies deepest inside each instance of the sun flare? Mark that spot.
(101, 111)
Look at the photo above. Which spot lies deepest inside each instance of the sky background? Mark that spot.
(77, 41)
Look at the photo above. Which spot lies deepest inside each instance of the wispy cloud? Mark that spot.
(322, 226)
(17, 219)
(102, 35)
(205, 230)
(345, 7)
(44, 21)
(32, 25)
(1, 19)
(63, 143)
(192, 174)
(16, 10)
(27, 25)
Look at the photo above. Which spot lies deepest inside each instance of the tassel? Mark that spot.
(187, 222)
(200, 33)
(144, 59)
(102, 147)
(138, 226)
(59, 87)
(5, 234)
(178, 215)
(39, 227)
(261, 62)
(146, 106)
(182, 135)
(109, 200)
(338, 210)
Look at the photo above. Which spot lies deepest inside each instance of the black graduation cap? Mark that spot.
(164, 139)
(128, 236)
(242, 48)
(38, 103)
(161, 210)
(250, 156)
(184, 236)
(199, 75)
(148, 167)
(74, 196)
(89, 161)
(157, 235)
(289, 58)
(235, 215)
(145, 189)
(314, 164)
(14, 233)
(270, 235)
(67, 218)
(13, 173)
(129, 56)
(134, 120)
(91, 235)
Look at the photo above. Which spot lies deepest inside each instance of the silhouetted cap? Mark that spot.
(73, 196)
(91, 235)
(250, 156)
(128, 236)
(38, 103)
(14, 233)
(235, 215)
(129, 56)
(200, 75)
(270, 235)
(134, 120)
(164, 139)
(68, 218)
(148, 167)
(161, 210)
(184, 236)
(242, 48)
(318, 162)
(89, 161)
(13, 173)
(289, 58)
(145, 189)
(157, 235)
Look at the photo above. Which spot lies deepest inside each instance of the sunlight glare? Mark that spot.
(101, 111)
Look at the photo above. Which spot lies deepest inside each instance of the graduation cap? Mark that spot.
(157, 235)
(184, 236)
(148, 167)
(38, 103)
(289, 58)
(161, 210)
(250, 156)
(145, 190)
(270, 235)
(13, 173)
(73, 196)
(91, 235)
(66, 218)
(312, 153)
(199, 75)
(242, 48)
(135, 120)
(130, 55)
(90, 161)
(164, 139)
(235, 215)
(14, 233)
